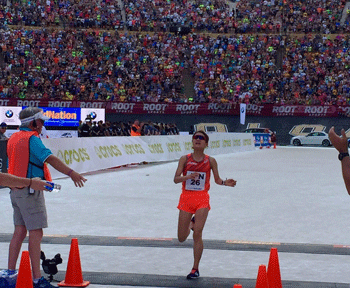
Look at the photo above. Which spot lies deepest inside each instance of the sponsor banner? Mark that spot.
(262, 139)
(95, 114)
(243, 111)
(92, 154)
(64, 117)
(188, 108)
(297, 110)
(59, 116)
(10, 114)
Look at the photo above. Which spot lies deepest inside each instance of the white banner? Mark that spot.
(10, 114)
(243, 109)
(95, 114)
(96, 153)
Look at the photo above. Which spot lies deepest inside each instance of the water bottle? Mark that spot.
(9, 278)
(55, 187)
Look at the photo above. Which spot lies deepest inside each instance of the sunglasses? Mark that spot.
(198, 137)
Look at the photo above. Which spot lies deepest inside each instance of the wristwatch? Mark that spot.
(342, 155)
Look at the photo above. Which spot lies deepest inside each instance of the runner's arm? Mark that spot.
(180, 168)
(218, 180)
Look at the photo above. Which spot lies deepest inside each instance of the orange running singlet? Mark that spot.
(195, 194)
(203, 167)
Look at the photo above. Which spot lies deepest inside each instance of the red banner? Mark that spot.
(188, 108)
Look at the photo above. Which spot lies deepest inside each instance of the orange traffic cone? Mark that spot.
(74, 276)
(274, 145)
(261, 281)
(273, 270)
(24, 278)
(237, 286)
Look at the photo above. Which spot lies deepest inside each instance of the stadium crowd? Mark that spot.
(99, 129)
(63, 13)
(247, 16)
(244, 68)
(107, 66)
(110, 65)
(302, 16)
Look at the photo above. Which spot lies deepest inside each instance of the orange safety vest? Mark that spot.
(133, 133)
(18, 148)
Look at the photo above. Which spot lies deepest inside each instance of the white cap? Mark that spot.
(39, 115)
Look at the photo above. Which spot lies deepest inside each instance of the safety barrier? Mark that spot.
(96, 153)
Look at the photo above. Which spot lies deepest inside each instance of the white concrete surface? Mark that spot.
(288, 194)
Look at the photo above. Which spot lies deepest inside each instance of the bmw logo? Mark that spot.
(93, 115)
(9, 113)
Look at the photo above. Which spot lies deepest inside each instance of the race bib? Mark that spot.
(196, 184)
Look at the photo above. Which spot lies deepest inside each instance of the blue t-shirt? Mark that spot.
(38, 154)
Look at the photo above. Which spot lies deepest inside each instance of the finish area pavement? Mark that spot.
(125, 220)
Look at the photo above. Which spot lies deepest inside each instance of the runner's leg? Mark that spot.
(201, 217)
(183, 229)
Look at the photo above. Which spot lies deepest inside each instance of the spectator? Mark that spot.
(126, 127)
(173, 129)
(117, 128)
(136, 128)
(273, 139)
(104, 130)
(79, 128)
(86, 129)
(3, 128)
(95, 129)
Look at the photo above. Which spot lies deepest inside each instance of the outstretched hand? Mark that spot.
(339, 143)
(78, 179)
(230, 182)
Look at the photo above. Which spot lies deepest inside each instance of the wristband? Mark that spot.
(70, 172)
(223, 183)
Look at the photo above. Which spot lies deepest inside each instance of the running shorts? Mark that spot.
(193, 201)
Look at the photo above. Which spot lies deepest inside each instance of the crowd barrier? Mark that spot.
(97, 153)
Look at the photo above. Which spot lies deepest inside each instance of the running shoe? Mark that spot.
(8, 278)
(3, 283)
(43, 283)
(194, 274)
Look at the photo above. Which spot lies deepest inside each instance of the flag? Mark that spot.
(243, 108)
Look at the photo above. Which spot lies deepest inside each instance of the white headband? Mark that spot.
(39, 115)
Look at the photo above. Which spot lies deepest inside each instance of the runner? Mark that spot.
(194, 173)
